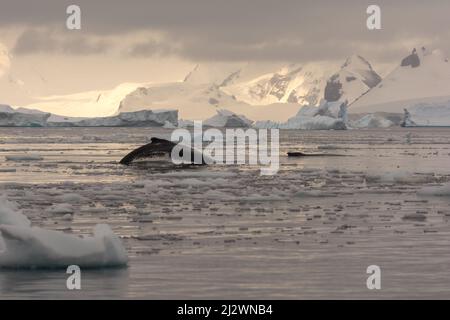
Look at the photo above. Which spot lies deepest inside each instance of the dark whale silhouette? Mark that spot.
(157, 148)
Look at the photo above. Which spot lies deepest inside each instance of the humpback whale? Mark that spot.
(157, 148)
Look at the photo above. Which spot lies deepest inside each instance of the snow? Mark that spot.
(10, 215)
(24, 246)
(301, 84)
(23, 117)
(95, 103)
(267, 93)
(325, 117)
(10, 118)
(372, 121)
(225, 118)
(355, 78)
(432, 114)
(305, 84)
(193, 101)
(169, 125)
(259, 91)
(157, 118)
(314, 123)
(6, 108)
(255, 91)
(406, 86)
(213, 73)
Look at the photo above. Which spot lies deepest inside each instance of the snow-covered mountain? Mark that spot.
(354, 79)
(251, 90)
(194, 101)
(96, 103)
(421, 77)
(228, 119)
(306, 84)
(301, 84)
(328, 116)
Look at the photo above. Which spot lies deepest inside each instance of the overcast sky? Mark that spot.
(160, 40)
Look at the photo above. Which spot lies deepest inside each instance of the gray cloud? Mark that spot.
(47, 41)
(292, 30)
(152, 48)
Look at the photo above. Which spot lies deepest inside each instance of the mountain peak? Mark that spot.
(422, 76)
(418, 56)
(355, 78)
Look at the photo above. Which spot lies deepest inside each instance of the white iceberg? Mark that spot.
(429, 114)
(24, 246)
(314, 123)
(145, 118)
(23, 117)
(372, 120)
(10, 117)
(329, 116)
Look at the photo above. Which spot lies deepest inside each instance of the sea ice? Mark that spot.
(24, 246)
(439, 191)
(28, 157)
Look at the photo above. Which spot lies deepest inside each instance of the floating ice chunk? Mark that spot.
(23, 246)
(33, 247)
(61, 208)
(10, 214)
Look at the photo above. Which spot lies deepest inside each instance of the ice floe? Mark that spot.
(28, 247)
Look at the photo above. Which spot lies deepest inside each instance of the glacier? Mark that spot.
(429, 114)
(144, 118)
(23, 117)
(10, 117)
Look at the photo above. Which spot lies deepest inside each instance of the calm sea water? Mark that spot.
(227, 232)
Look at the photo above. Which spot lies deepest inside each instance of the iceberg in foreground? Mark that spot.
(24, 246)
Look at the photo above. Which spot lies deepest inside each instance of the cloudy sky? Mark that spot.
(161, 40)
